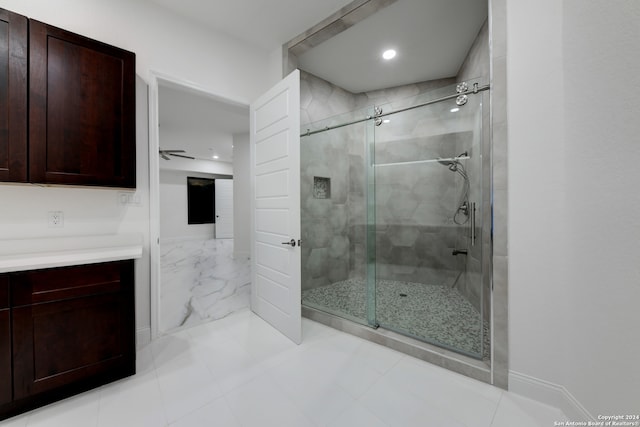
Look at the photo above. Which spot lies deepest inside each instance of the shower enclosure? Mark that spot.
(393, 218)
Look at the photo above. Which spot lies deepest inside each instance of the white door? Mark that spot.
(224, 208)
(275, 198)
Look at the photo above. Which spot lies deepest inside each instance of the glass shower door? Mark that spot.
(427, 172)
(333, 207)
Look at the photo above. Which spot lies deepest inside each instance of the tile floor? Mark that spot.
(239, 371)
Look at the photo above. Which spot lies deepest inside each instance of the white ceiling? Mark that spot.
(432, 38)
(264, 23)
(199, 124)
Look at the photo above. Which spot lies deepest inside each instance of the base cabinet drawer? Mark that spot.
(66, 330)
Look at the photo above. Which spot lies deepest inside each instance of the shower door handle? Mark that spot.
(292, 243)
(473, 223)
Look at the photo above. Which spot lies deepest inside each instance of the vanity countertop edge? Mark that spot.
(50, 252)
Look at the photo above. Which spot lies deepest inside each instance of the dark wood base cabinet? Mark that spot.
(71, 329)
(5, 343)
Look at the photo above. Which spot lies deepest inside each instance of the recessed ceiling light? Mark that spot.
(215, 157)
(389, 54)
(455, 110)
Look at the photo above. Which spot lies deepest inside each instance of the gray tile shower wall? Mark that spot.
(414, 235)
(325, 249)
(477, 66)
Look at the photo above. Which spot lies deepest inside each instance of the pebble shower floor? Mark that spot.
(434, 313)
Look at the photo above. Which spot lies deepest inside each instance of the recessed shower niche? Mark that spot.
(321, 187)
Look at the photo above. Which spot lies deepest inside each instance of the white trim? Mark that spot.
(549, 393)
(154, 179)
(241, 255)
(143, 338)
(154, 205)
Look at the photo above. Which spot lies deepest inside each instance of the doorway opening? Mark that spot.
(199, 269)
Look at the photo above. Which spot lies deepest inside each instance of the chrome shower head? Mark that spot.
(451, 164)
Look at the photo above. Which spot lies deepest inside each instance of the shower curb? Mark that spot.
(476, 369)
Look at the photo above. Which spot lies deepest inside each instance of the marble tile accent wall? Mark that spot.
(201, 281)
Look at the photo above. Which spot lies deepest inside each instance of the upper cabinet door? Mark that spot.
(81, 110)
(13, 96)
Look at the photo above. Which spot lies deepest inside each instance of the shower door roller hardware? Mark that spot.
(461, 100)
(377, 111)
(462, 87)
(292, 243)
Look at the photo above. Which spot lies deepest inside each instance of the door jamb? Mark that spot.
(155, 77)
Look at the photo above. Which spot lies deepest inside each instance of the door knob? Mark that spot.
(292, 242)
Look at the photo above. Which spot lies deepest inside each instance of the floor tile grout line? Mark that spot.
(233, 414)
(495, 412)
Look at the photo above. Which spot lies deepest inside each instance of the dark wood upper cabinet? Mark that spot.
(13, 96)
(81, 110)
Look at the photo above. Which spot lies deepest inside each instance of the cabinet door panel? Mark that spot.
(82, 110)
(4, 291)
(5, 356)
(13, 97)
(60, 343)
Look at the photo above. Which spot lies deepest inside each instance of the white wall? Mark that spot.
(167, 44)
(574, 280)
(89, 211)
(163, 42)
(174, 221)
(537, 291)
(602, 157)
(241, 196)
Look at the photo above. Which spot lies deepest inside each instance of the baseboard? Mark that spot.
(143, 337)
(549, 393)
(241, 255)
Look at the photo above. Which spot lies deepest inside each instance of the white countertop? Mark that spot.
(33, 254)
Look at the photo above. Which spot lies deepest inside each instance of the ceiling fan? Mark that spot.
(166, 153)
